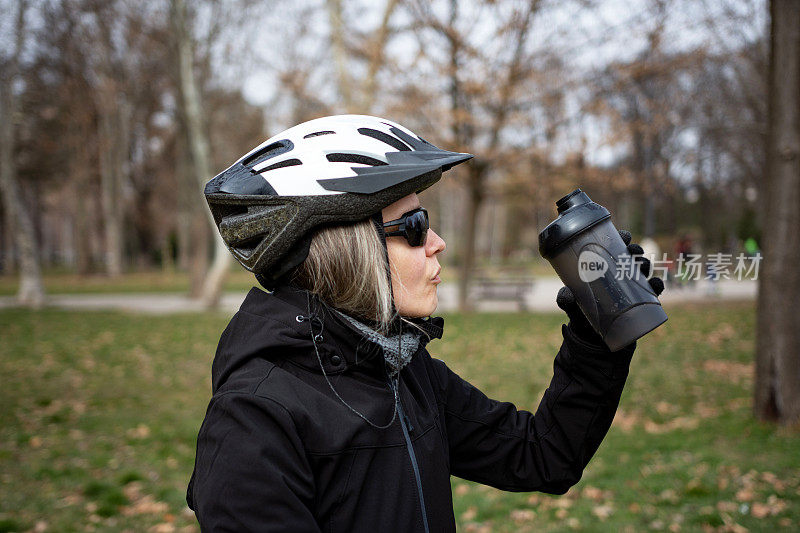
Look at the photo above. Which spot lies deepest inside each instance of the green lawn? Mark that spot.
(148, 281)
(101, 410)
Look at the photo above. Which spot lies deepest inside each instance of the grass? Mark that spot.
(57, 282)
(684, 454)
(101, 411)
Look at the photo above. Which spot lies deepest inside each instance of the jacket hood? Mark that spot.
(279, 326)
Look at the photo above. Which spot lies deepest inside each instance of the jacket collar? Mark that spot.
(340, 345)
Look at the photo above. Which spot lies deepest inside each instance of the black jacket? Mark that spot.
(278, 451)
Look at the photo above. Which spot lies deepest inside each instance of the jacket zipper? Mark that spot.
(403, 424)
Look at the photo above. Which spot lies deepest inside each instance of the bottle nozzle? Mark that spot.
(576, 197)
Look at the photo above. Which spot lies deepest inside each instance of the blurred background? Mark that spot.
(656, 108)
(114, 113)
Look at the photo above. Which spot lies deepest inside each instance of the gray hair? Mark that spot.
(347, 268)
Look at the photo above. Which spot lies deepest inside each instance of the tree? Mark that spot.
(114, 128)
(31, 288)
(777, 383)
(487, 84)
(198, 145)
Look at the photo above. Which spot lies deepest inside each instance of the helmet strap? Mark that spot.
(396, 325)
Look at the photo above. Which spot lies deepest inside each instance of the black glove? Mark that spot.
(578, 322)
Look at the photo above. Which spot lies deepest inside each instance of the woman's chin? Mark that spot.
(422, 304)
(435, 303)
(420, 311)
(431, 308)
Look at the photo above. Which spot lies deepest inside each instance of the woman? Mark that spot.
(328, 413)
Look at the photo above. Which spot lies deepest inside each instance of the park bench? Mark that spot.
(513, 289)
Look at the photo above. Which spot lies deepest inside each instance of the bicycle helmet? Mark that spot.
(330, 170)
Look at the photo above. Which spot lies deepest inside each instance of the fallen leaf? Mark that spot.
(593, 493)
(162, 528)
(625, 421)
(664, 408)
(726, 507)
(729, 369)
(668, 495)
(139, 432)
(520, 516)
(760, 510)
(602, 511)
(681, 422)
(562, 503)
(725, 331)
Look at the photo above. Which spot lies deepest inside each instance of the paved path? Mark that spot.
(542, 298)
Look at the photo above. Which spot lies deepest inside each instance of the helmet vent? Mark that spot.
(268, 152)
(248, 246)
(355, 158)
(223, 211)
(318, 133)
(386, 138)
(280, 164)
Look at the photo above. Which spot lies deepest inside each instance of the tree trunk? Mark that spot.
(198, 254)
(31, 288)
(649, 186)
(474, 201)
(167, 259)
(113, 144)
(83, 251)
(777, 383)
(515, 214)
(81, 142)
(186, 200)
(199, 148)
(8, 242)
(111, 185)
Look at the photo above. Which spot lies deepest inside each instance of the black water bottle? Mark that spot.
(590, 257)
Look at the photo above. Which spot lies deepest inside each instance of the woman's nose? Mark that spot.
(434, 244)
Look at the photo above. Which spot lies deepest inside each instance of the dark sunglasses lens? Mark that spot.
(417, 228)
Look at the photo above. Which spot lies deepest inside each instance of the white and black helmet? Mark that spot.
(330, 170)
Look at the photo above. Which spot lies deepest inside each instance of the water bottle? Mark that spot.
(590, 257)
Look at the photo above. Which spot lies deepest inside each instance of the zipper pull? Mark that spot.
(408, 423)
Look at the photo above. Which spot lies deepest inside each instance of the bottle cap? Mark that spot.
(576, 213)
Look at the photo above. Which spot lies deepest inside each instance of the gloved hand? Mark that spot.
(578, 322)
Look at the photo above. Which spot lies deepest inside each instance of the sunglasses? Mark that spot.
(412, 225)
